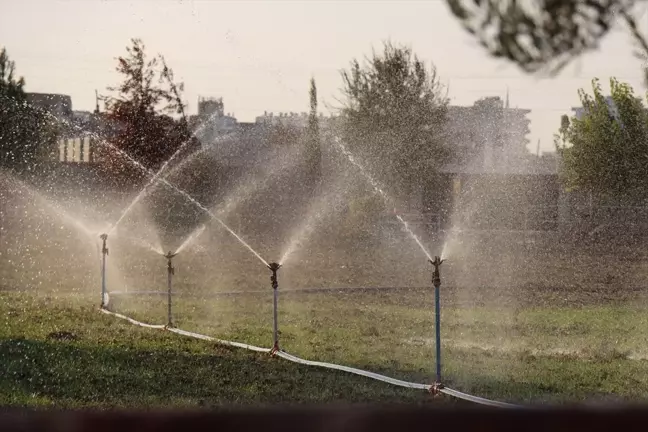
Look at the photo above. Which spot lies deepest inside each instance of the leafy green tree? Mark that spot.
(560, 139)
(25, 132)
(393, 116)
(606, 151)
(142, 109)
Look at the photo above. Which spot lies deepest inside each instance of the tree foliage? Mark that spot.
(394, 113)
(25, 131)
(142, 109)
(544, 34)
(606, 151)
(313, 149)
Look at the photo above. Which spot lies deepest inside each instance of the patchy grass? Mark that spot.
(62, 352)
(527, 354)
(530, 325)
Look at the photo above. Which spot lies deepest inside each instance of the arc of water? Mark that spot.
(62, 213)
(254, 183)
(194, 235)
(164, 181)
(377, 188)
(189, 197)
(161, 170)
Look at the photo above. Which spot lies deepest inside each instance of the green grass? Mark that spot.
(110, 363)
(519, 324)
(528, 354)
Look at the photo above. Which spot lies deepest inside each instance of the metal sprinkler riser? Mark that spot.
(170, 272)
(274, 267)
(436, 281)
(104, 253)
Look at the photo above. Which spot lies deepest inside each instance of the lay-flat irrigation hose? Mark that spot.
(295, 359)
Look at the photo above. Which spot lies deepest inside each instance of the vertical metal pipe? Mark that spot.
(274, 267)
(437, 325)
(104, 253)
(275, 321)
(169, 317)
(436, 281)
(170, 273)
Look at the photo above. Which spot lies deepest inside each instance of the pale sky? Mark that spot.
(260, 55)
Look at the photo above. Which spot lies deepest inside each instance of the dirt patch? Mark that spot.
(62, 336)
(522, 350)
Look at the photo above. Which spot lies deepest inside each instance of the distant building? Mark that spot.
(211, 120)
(488, 137)
(292, 119)
(58, 105)
(81, 141)
(79, 149)
(579, 112)
(82, 117)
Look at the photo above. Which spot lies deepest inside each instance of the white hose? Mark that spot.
(355, 371)
(220, 341)
(132, 321)
(477, 399)
(295, 359)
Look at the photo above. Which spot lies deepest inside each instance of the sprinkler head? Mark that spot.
(104, 249)
(436, 275)
(170, 268)
(436, 262)
(273, 277)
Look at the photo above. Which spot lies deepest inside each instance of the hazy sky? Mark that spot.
(260, 55)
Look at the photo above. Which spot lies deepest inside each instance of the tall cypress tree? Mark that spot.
(313, 153)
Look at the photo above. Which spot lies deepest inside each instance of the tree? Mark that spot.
(24, 130)
(560, 139)
(313, 150)
(393, 115)
(606, 151)
(545, 34)
(142, 109)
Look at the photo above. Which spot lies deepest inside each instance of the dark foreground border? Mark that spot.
(333, 419)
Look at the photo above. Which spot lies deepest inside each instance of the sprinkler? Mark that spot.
(274, 267)
(170, 272)
(436, 281)
(104, 253)
(436, 275)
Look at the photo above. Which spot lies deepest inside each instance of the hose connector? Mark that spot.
(436, 388)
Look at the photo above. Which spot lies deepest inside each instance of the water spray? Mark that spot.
(170, 272)
(274, 268)
(104, 254)
(436, 281)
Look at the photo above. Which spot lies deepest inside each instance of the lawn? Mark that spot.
(523, 355)
(61, 352)
(523, 323)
